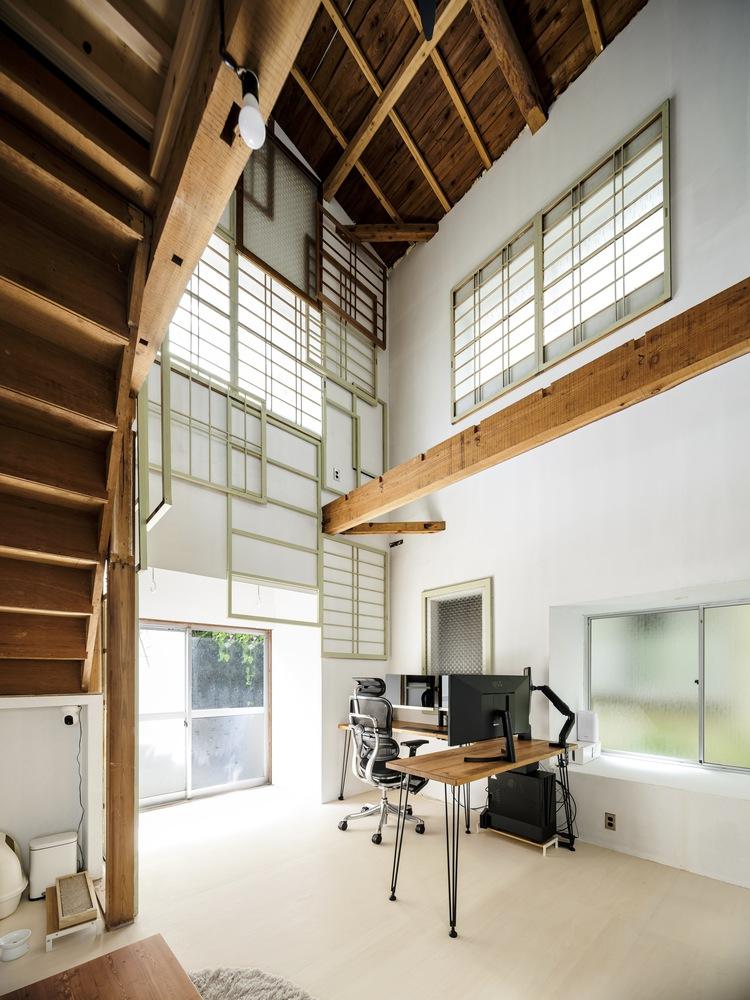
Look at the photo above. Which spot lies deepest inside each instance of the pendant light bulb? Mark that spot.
(252, 126)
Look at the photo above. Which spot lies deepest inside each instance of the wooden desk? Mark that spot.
(421, 730)
(146, 970)
(452, 771)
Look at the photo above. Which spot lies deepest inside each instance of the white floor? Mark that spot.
(255, 878)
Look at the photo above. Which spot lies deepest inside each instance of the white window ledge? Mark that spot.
(687, 777)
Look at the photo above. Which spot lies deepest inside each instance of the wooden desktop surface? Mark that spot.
(449, 767)
(414, 729)
(146, 970)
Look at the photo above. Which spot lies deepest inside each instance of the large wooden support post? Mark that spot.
(121, 800)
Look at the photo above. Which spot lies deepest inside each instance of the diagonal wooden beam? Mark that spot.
(264, 35)
(591, 11)
(369, 74)
(697, 340)
(499, 32)
(396, 528)
(453, 92)
(404, 232)
(393, 91)
(340, 138)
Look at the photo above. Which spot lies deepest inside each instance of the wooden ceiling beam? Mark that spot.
(393, 91)
(265, 36)
(404, 232)
(591, 10)
(184, 59)
(500, 33)
(699, 339)
(396, 528)
(369, 74)
(338, 135)
(453, 92)
(24, 18)
(137, 34)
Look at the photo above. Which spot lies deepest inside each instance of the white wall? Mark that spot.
(39, 776)
(654, 498)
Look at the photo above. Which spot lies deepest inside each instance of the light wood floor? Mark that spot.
(255, 878)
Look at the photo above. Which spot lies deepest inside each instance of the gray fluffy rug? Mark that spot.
(244, 984)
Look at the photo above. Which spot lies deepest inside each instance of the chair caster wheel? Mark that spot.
(377, 838)
(343, 825)
(419, 828)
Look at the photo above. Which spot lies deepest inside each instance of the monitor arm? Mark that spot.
(561, 707)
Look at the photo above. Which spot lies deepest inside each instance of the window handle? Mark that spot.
(697, 680)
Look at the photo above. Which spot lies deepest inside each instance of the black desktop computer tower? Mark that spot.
(523, 803)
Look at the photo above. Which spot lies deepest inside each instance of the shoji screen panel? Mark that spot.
(355, 600)
(274, 548)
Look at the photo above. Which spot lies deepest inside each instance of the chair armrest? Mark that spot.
(413, 745)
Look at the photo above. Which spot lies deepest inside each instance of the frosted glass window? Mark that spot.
(227, 749)
(644, 669)
(727, 685)
(228, 669)
(161, 671)
(162, 762)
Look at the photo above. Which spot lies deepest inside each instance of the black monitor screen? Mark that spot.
(476, 701)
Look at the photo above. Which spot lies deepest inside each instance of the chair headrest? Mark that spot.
(373, 686)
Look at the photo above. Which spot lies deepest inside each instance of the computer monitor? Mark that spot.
(487, 706)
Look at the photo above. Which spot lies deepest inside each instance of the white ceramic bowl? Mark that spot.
(14, 945)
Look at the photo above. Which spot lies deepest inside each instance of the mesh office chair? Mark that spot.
(371, 725)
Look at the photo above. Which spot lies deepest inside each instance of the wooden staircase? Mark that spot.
(73, 254)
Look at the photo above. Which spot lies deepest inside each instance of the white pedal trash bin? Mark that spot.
(50, 858)
(12, 879)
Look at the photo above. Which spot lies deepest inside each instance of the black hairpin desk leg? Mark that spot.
(568, 835)
(467, 807)
(452, 839)
(403, 804)
(345, 761)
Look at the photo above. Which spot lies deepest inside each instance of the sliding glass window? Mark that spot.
(674, 684)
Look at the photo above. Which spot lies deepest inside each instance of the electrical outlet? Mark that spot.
(610, 821)
(336, 475)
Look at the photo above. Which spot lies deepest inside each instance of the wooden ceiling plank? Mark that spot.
(396, 528)
(52, 267)
(134, 31)
(405, 232)
(265, 36)
(591, 10)
(47, 533)
(35, 588)
(309, 92)
(23, 17)
(64, 180)
(512, 60)
(55, 381)
(36, 95)
(50, 466)
(697, 340)
(417, 56)
(39, 677)
(455, 94)
(369, 74)
(191, 34)
(41, 637)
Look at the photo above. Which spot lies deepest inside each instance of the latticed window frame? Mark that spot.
(542, 364)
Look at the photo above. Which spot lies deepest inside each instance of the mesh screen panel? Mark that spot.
(456, 635)
(277, 221)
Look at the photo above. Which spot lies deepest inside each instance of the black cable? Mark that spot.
(79, 849)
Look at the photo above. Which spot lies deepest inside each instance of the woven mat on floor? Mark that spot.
(244, 984)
